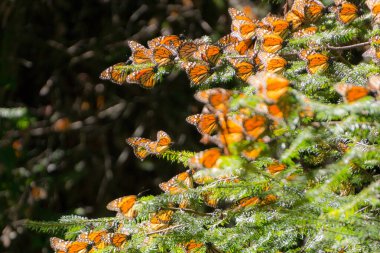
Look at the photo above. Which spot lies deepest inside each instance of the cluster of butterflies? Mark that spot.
(253, 45)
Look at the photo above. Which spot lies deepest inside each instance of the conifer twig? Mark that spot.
(190, 211)
(349, 46)
(165, 229)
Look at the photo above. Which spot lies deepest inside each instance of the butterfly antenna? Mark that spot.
(140, 194)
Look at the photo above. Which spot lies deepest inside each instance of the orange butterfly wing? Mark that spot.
(205, 159)
(162, 55)
(205, 123)
(140, 54)
(144, 77)
(116, 73)
(124, 205)
(178, 184)
(161, 219)
(254, 126)
(347, 12)
(168, 40)
(243, 68)
(197, 72)
(314, 9)
(271, 43)
(139, 146)
(317, 62)
(187, 50)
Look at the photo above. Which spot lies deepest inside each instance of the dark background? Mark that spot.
(67, 154)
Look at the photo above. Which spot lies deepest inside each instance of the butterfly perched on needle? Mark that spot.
(139, 146)
(247, 202)
(206, 123)
(251, 153)
(187, 49)
(159, 146)
(276, 25)
(345, 11)
(143, 147)
(163, 55)
(178, 184)
(198, 73)
(168, 40)
(296, 15)
(161, 219)
(140, 54)
(208, 53)
(216, 98)
(95, 237)
(350, 92)
(205, 159)
(243, 68)
(117, 240)
(316, 62)
(145, 77)
(124, 206)
(254, 126)
(62, 246)
(305, 32)
(275, 167)
(271, 42)
(117, 73)
(313, 10)
(374, 6)
(272, 63)
(270, 87)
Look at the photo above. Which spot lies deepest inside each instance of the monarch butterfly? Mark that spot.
(163, 55)
(144, 77)
(251, 154)
(243, 68)
(140, 54)
(139, 146)
(271, 43)
(254, 126)
(187, 49)
(60, 245)
(93, 236)
(270, 198)
(217, 98)
(243, 47)
(161, 145)
(206, 123)
(275, 167)
(239, 15)
(205, 159)
(247, 202)
(161, 219)
(192, 246)
(275, 25)
(314, 9)
(272, 63)
(296, 14)
(316, 62)
(197, 72)
(269, 86)
(305, 32)
(351, 93)
(227, 40)
(168, 40)
(117, 240)
(374, 6)
(116, 73)
(178, 184)
(346, 12)
(209, 199)
(244, 30)
(124, 205)
(208, 53)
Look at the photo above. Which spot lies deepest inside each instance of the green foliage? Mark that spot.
(314, 184)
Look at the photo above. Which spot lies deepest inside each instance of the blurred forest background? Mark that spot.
(63, 130)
